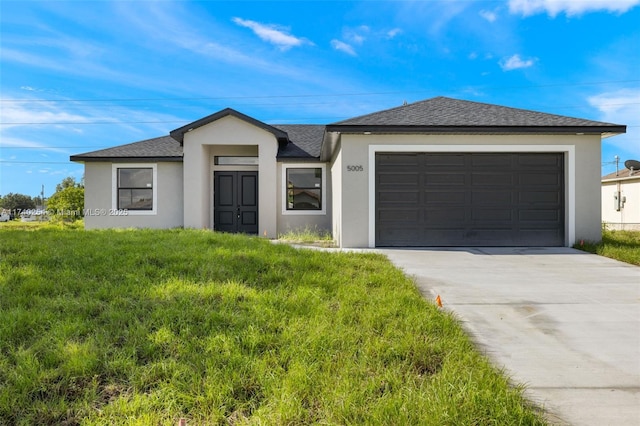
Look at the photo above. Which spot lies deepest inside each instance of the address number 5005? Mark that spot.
(355, 168)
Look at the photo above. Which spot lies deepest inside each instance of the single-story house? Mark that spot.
(621, 200)
(440, 172)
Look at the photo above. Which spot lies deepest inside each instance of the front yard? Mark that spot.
(148, 327)
(619, 245)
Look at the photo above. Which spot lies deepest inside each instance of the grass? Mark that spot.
(619, 245)
(147, 327)
(308, 235)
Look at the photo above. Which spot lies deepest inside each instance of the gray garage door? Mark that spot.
(469, 199)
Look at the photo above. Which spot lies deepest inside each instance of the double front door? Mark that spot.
(235, 202)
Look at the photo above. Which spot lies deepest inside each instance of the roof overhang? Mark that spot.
(564, 130)
(82, 159)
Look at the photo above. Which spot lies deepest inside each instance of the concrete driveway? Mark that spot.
(564, 323)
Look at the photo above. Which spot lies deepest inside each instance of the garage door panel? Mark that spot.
(470, 199)
(490, 161)
(550, 160)
(480, 216)
(443, 216)
(492, 197)
(399, 178)
(445, 197)
(445, 179)
(392, 216)
(396, 197)
(494, 179)
(539, 215)
(538, 237)
(538, 197)
(444, 160)
(540, 179)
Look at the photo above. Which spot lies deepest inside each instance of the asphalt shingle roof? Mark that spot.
(305, 140)
(164, 147)
(447, 112)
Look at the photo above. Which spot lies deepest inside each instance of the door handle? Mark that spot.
(238, 212)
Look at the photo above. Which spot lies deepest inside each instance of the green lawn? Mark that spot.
(619, 245)
(147, 327)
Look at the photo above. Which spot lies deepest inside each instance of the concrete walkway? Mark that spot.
(564, 323)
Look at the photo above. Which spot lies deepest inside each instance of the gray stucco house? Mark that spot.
(440, 172)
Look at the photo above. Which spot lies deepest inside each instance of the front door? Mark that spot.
(235, 205)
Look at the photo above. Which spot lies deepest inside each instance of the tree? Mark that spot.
(67, 204)
(68, 182)
(17, 202)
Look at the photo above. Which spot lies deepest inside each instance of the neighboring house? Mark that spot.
(440, 172)
(621, 200)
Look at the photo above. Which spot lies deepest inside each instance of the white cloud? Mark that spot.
(621, 107)
(516, 62)
(357, 35)
(569, 7)
(394, 32)
(30, 89)
(488, 15)
(15, 114)
(272, 34)
(343, 47)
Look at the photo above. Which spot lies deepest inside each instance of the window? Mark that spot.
(304, 189)
(220, 160)
(134, 188)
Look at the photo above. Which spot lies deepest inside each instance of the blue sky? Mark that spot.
(77, 76)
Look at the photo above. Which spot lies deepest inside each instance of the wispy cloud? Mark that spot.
(569, 7)
(343, 47)
(393, 33)
(516, 62)
(488, 15)
(273, 34)
(621, 107)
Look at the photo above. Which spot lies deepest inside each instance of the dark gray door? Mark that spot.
(235, 204)
(469, 199)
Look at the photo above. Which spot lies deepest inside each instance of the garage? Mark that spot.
(469, 199)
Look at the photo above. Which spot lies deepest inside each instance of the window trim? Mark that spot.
(114, 187)
(323, 189)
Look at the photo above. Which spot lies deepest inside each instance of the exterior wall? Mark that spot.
(354, 183)
(588, 220)
(199, 147)
(337, 194)
(292, 221)
(98, 198)
(628, 217)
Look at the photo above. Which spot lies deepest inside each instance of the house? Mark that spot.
(440, 172)
(621, 199)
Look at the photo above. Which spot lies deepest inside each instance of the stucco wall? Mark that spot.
(336, 197)
(98, 178)
(582, 180)
(198, 179)
(628, 217)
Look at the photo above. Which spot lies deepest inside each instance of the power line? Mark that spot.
(312, 95)
(35, 162)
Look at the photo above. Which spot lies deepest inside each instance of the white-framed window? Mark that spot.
(134, 188)
(304, 188)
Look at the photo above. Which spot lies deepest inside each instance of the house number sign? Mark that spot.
(355, 168)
